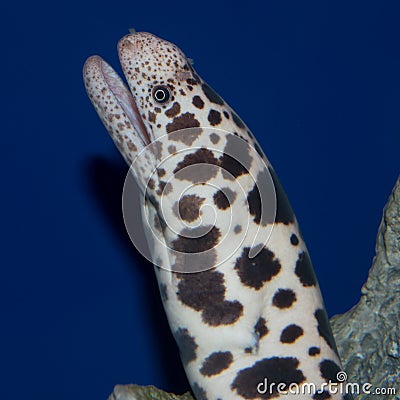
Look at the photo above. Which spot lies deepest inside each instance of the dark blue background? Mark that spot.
(318, 83)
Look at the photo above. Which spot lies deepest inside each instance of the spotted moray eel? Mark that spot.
(242, 320)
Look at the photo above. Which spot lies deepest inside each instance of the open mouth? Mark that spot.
(107, 87)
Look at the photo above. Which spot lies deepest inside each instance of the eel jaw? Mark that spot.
(109, 95)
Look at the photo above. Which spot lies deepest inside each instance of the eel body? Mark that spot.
(235, 277)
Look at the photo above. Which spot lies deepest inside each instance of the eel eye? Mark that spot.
(161, 94)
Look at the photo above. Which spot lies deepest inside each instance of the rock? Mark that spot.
(367, 336)
(135, 392)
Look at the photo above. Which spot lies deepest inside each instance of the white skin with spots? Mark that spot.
(228, 322)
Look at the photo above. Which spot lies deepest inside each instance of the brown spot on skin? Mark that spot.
(216, 362)
(164, 188)
(279, 370)
(211, 95)
(237, 120)
(329, 370)
(313, 351)
(254, 200)
(171, 149)
(291, 333)
(161, 172)
(305, 271)
(157, 223)
(173, 111)
(205, 291)
(254, 272)
(191, 81)
(226, 114)
(187, 345)
(152, 117)
(224, 198)
(189, 207)
(237, 229)
(294, 240)
(236, 159)
(260, 328)
(198, 102)
(324, 329)
(284, 212)
(187, 262)
(151, 184)
(214, 117)
(186, 120)
(214, 138)
(131, 146)
(201, 173)
(187, 136)
(225, 313)
(284, 298)
(156, 148)
(197, 240)
(233, 167)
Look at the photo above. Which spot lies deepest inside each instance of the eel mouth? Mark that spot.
(104, 87)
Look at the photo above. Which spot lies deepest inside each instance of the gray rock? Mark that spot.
(367, 336)
(135, 392)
